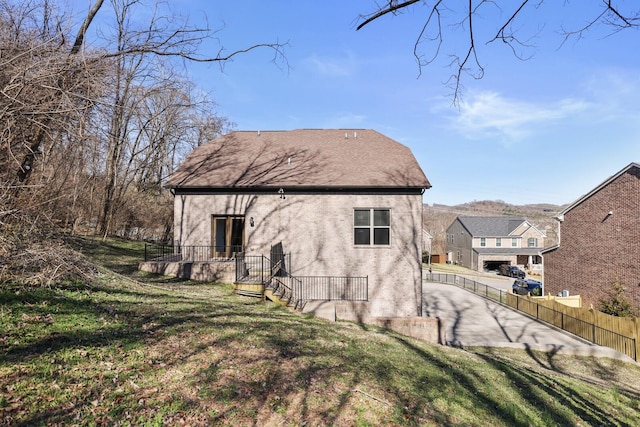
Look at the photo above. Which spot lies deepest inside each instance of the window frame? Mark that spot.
(372, 225)
(227, 235)
(483, 242)
(498, 242)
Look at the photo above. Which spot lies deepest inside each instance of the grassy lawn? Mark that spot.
(135, 349)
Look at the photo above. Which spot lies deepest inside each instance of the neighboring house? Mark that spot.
(599, 242)
(339, 203)
(485, 243)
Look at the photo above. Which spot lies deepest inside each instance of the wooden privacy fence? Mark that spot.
(619, 333)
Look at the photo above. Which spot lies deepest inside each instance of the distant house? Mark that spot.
(484, 243)
(599, 241)
(339, 203)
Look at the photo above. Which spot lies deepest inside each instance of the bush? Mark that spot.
(616, 302)
(33, 253)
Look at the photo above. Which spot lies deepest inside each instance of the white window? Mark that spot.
(514, 242)
(498, 242)
(532, 242)
(483, 241)
(371, 227)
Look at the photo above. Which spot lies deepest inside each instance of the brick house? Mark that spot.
(599, 241)
(486, 242)
(338, 202)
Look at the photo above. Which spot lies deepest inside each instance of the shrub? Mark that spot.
(616, 302)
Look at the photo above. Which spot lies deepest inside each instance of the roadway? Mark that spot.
(471, 320)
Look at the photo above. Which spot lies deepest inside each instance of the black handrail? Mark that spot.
(332, 288)
(190, 253)
(260, 269)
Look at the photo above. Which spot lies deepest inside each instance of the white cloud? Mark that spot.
(617, 92)
(334, 67)
(489, 114)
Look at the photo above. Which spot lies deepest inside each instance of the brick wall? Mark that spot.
(596, 249)
(316, 230)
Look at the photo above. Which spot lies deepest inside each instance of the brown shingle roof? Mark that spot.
(302, 158)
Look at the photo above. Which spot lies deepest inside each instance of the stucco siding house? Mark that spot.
(485, 243)
(339, 202)
(599, 241)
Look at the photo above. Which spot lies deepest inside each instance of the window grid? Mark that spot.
(372, 227)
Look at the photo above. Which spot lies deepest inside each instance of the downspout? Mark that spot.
(560, 219)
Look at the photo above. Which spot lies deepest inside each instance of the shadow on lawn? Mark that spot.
(77, 315)
(533, 387)
(120, 256)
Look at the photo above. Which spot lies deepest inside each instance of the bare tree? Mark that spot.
(51, 86)
(147, 110)
(86, 131)
(44, 87)
(444, 15)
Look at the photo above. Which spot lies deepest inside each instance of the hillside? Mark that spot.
(131, 349)
(437, 217)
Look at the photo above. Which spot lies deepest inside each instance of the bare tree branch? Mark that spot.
(392, 7)
(85, 25)
(612, 14)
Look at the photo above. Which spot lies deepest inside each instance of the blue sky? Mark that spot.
(545, 130)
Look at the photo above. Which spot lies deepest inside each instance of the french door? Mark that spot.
(227, 235)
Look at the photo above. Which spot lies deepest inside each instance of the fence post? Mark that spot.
(636, 338)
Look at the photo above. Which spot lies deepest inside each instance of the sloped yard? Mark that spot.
(133, 349)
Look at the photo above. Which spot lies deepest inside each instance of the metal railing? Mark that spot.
(258, 268)
(486, 291)
(331, 288)
(586, 330)
(191, 253)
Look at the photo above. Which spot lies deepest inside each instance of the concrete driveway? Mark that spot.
(471, 320)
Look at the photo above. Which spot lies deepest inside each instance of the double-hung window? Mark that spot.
(371, 227)
(483, 242)
(498, 242)
(532, 242)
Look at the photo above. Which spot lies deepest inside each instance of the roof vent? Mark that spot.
(355, 135)
(258, 133)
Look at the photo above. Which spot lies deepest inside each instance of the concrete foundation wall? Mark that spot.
(222, 272)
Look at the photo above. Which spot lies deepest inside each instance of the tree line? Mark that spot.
(89, 131)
